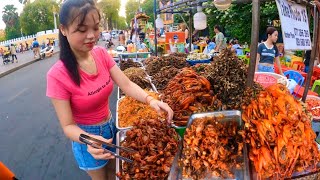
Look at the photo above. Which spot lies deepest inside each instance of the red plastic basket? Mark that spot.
(267, 79)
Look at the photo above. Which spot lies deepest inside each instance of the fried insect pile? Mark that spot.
(250, 93)
(128, 64)
(131, 110)
(162, 78)
(188, 93)
(212, 148)
(154, 64)
(156, 143)
(227, 76)
(280, 135)
(138, 76)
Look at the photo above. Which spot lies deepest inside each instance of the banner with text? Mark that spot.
(294, 25)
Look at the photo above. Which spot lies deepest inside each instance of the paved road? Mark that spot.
(32, 142)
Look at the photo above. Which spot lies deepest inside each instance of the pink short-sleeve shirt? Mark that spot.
(89, 102)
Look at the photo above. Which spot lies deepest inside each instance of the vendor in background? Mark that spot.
(141, 45)
(268, 53)
(236, 47)
(195, 42)
(183, 28)
(307, 57)
(122, 38)
(219, 39)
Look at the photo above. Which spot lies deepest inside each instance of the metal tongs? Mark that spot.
(96, 143)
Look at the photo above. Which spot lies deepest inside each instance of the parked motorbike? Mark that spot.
(46, 52)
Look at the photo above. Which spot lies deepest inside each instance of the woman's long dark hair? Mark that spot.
(70, 10)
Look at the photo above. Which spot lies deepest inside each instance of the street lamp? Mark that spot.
(55, 20)
(199, 19)
(54, 16)
(222, 4)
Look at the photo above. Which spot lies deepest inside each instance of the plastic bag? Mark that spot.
(292, 85)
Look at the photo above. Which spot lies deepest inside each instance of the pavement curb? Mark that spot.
(22, 66)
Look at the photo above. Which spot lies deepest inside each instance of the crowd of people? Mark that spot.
(12, 49)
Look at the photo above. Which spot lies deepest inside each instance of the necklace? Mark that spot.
(89, 67)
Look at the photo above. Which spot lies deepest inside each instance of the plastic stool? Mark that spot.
(314, 87)
(300, 65)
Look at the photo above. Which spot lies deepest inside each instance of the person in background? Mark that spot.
(43, 45)
(1, 53)
(81, 82)
(236, 47)
(27, 46)
(36, 48)
(195, 42)
(268, 53)
(21, 48)
(183, 28)
(13, 52)
(219, 39)
(122, 38)
(307, 57)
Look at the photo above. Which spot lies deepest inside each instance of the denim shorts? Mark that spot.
(262, 68)
(84, 159)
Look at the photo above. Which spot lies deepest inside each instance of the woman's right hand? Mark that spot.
(99, 153)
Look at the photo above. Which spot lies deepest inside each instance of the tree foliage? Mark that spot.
(2, 35)
(11, 18)
(147, 7)
(122, 24)
(236, 21)
(132, 7)
(110, 12)
(38, 16)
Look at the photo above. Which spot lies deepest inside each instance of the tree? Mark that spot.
(132, 7)
(2, 35)
(110, 9)
(38, 16)
(122, 24)
(11, 18)
(236, 21)
(147, 7)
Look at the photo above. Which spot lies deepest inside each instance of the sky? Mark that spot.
(19, 7)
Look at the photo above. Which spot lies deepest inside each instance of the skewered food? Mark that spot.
(212, 148)
(188, 93)
(156, 144)
(131, 110)
(278, 130)
(138, 76)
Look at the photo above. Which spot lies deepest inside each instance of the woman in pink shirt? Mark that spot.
(80, 84)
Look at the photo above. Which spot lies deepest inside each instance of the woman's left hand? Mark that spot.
(161, 106)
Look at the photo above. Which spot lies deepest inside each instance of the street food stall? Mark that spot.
(226, 124)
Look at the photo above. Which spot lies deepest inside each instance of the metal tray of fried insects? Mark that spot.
(121, 135)
(120, 93)
(117, 117)
(226, 116)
